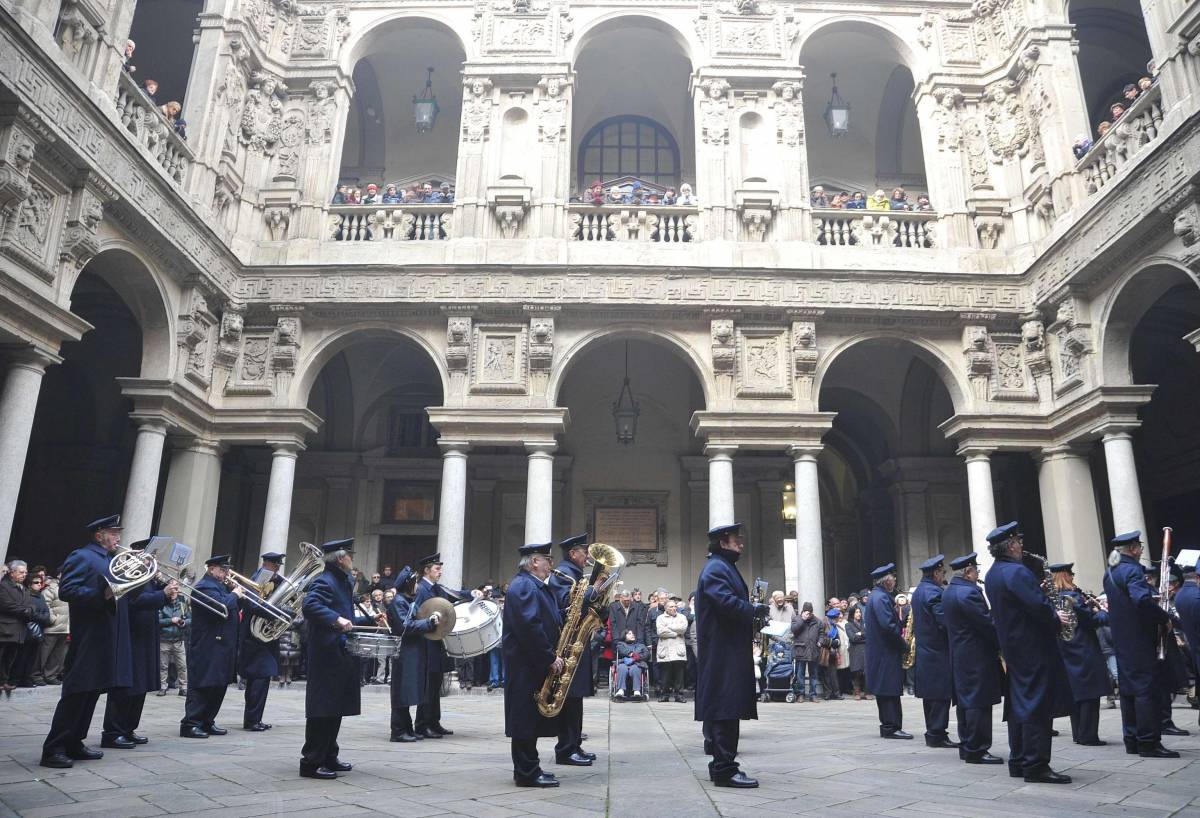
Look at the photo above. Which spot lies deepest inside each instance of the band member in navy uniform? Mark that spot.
(1187, 606)
(530, 641)
(974, 659)
(1028, 626)
(429, 712)
(569, 749)
(212, 651)
(725, 686)
(933, 676)
(1136, 620)
(1087, 672)
(99, 657)
(123, 709)
(885, 652)
(333, 672)
(409, 667)
(1172, 668)
(258, 662)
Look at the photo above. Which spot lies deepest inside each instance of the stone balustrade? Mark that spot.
(667, 224)
(875, 228)
(150, 130)
(411, 222)
(1137, 127)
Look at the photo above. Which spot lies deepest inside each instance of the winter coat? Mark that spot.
(168, 631)
(885, 646)
(409, 667)
(1135, 617)
(635, 651)
(16, 609)
(725, 687)
(531, 629)
(786, 615)
(1027, 625)
(213, 641)
(805, 633)
(60, 611)
(99, 656)
(333, 672)
(856, 634)
(933, 676)
(672, 646)
(882, 203)
(974, 645)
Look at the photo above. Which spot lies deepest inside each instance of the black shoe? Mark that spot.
(738, 781)
(1053, 733)
(429, 732)
(316, 772)
(1172, 730)
(58, 761)
(84, 753)
(136, 739)
(680, 699)
(663, 700)
(442, 731)
(1131, 748)
(897, 734)
(1047, 776)
(1158, 751)
(582, 737)
(573, 760)
(1095, 742)
(192, 732)
(586, 754)
(1016, 771)
(542, 780)
(258, 728)
(940, 743)
(117, 743)
(339, 766)
(407, 738)
(214, 730)
(708, 748)
(986, 758)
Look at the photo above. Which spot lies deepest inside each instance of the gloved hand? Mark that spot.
(435, 618)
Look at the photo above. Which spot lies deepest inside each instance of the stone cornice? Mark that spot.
(762, 430)
(500, 427)
(34, 318)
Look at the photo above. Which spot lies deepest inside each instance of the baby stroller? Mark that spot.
(777, 678)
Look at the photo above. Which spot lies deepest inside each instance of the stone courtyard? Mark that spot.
(810, 759)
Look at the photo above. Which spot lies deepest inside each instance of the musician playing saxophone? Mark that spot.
(1086, 670)
(933, 675)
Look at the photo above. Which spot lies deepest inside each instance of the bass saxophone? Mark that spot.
(579, 625)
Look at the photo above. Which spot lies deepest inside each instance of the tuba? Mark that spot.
(579, 625)
(910, 635)
(281, 605)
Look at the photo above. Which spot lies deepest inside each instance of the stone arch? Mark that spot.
(643, 332)
(865, 25)
(607, 21)
(928, 352)
(361, 45)
(1123, 309)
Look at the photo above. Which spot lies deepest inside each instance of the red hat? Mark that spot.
(372, 186)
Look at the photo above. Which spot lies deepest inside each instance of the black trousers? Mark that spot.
(672, 676)
(525, 759)
(9, 651)
(570, 728)
(72, 718)
(401, 720)
(1141, 720)
(1085, 720)
(937, 718)
(320, 741)
(974, 731)
(429, 711)
(891, 715)
(722, 735)
(202, 705)
(256, 699)
(122, 713)
(1164, 706)
(1029, 745)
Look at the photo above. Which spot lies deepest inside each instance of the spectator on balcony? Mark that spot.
(150, 88)
(1144, 84)
(1103, 128)
(372, 196)
(171, 111)
(634, 196)
(355, 196)
(447, 193)
(900, 199)
(391, 196)
(818, 198)
(427, 194)
(686, 197)
(615, 196)
(595, 194)
(878, 201)
(1081, 146)
(413, 195)
(339, 195)
(1116, 110)
(923, 204)
(1130, 92)
(127, 66)
(670, 197)
(857, 202)
(1152, 69)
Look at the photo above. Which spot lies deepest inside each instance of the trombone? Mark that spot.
(132, 569)
(255, 595)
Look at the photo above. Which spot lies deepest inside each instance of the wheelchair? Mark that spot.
(627, 693)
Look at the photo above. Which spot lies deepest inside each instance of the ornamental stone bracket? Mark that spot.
(195, 336)
(980, 360)
(756, 209)
(1072, 334)
(987, 215)
(541, 351)
(774, 431)
(494, 426)
(805, 356)
(19, 138)
(285, 350)
(509, 202)
(1184, 208)
(85, 210)
(277, 207)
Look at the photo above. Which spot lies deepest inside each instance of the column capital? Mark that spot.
(973, 453)
(151, 424)
(35, 359)
(1116, 433)
(1062, 451)
(454, 448)
(200, 445)
(804, 452)
(720, 451)
(286, 448)
(541, 448)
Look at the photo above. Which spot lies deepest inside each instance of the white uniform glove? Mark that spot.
(435, 618)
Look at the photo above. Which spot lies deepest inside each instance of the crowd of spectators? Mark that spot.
(636, 194)
(171, 110)
(879, 200)
(1117, 109)
(33, 627)
(432, 192)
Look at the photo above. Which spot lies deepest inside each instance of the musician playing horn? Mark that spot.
(1087, 672)
(438, 662)
(569, 749)
(531, 629)
(1136, 617)
(933, 676)
(409, 668)
(212, 651)
(975, 658)
(258, 662)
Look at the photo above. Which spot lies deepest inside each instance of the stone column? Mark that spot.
(190, 504)
(452, 510)
(810, 554)
(137, 516)
(1069, 513)
(1123, 489)
(982, 500)
(18, 403)
(720, 485)
(277, 515)
(539, 493)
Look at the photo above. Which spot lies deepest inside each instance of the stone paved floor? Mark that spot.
(816, 759)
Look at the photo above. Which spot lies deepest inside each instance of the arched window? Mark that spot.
(629, 146)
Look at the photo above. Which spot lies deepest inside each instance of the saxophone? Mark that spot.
(910, 633)
(578, 626)
(1059, 600)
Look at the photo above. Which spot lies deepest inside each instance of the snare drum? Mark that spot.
(372, 645)
(476, 629)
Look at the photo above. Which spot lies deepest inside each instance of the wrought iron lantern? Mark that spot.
(625, 409)
(425, 107)
(837, 112)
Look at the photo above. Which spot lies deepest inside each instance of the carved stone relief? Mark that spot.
(764, 363)
(229, 338)
(980, 360)
(723, 349)
(789, 114)
(321, 112)
(477, 109)
(499, 364)
(195, 335)
(541, 343)
(805, 355)
(715, 111)
(1008, 125)
(552, 108)
(458, 343)
(262, 115)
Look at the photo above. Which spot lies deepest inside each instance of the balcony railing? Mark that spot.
(668, 224)
(875, 228)
(150, 129)
(413, 222)
(1137, 127)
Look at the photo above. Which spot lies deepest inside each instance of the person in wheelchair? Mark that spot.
(630, 666)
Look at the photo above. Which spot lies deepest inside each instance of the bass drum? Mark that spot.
(476, 629)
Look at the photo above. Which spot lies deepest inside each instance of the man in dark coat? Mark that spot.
(569, 749)
(1136, 620)
(1028, 626)
(725, 687)
(408, 668)
(1187, 606)
(1172, 669)
(885, 652)
(212, 651)
(627, 615)
(99, 658)
(333, 673)
(123, 709)
(438, 662)
(16, 612)
(1087, 674)
(258, 662)
(933, 675)
(974, 660)
(531, 630)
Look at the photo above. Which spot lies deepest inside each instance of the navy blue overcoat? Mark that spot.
(582, 684)
(932, 672)
(143, 632)
(885, 645)
(1027, 625)
(1135, 617)
(1086, 671)
(213, 641)
(1187, 605)
(436, 658)
(974, 646)
(100, 654)
(531, 630)
(333, 673)
(725, 687)
(408, 668)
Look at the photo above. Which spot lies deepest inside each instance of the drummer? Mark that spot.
(409, 666)
(429, 711)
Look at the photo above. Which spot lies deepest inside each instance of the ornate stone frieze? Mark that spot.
(789, 113)
(980, 360)
(522, 26)
(764, 362)
(715, 111)
(985, 33)
(723, 349)
(500, 362)
(746, 28)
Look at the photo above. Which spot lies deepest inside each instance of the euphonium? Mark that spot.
(288, 597)
(1059, 600)
(910, 634)
(579, 625)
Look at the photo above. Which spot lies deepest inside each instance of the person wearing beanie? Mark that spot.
(806, 631)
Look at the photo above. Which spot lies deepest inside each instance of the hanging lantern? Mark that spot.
(837, 112)
(425, 107)
(625, 409)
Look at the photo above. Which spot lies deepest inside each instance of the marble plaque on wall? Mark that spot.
(633, 522)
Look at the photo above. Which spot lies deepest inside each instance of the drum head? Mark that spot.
(471, 615)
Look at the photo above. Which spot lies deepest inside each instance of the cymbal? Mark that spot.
(445, 624)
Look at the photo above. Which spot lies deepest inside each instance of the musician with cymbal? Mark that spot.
(438, 662)
(212, 651)
(409, 666)
(569, 749)
(1087, 673)
(258, 661)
